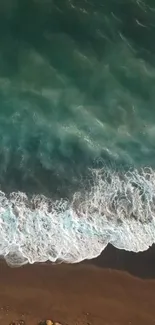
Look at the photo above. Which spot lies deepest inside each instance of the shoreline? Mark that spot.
(88, 293)
(141, 264)
(79, 294)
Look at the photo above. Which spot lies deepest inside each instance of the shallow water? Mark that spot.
(77, 128)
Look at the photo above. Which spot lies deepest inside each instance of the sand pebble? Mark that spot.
(18, 322)
(21, 322)
(46, 322)
(49, 322)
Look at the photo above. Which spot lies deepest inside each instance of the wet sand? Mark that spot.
(88, 293)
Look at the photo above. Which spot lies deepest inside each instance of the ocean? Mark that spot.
(77, 128)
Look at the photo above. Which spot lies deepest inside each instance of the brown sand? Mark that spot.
(78, 294)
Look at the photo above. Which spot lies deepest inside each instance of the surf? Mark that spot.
(119, 209)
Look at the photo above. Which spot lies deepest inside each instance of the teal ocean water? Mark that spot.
(77, 128)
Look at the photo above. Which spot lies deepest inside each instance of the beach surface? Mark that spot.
(85, 294)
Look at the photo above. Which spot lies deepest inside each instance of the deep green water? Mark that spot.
(77, 82)
(77, 91)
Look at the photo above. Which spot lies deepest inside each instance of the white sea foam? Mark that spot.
(119, 209)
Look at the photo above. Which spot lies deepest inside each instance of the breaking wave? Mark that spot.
(119, 209)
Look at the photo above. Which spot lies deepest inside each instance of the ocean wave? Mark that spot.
(119, 209)
(76, 110)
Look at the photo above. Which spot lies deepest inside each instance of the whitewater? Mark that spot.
(119, 209)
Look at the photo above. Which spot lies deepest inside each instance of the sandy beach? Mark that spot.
(85, 294)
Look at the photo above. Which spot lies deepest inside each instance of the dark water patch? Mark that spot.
(140, 264)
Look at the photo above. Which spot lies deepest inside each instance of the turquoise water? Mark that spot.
(77, 128)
